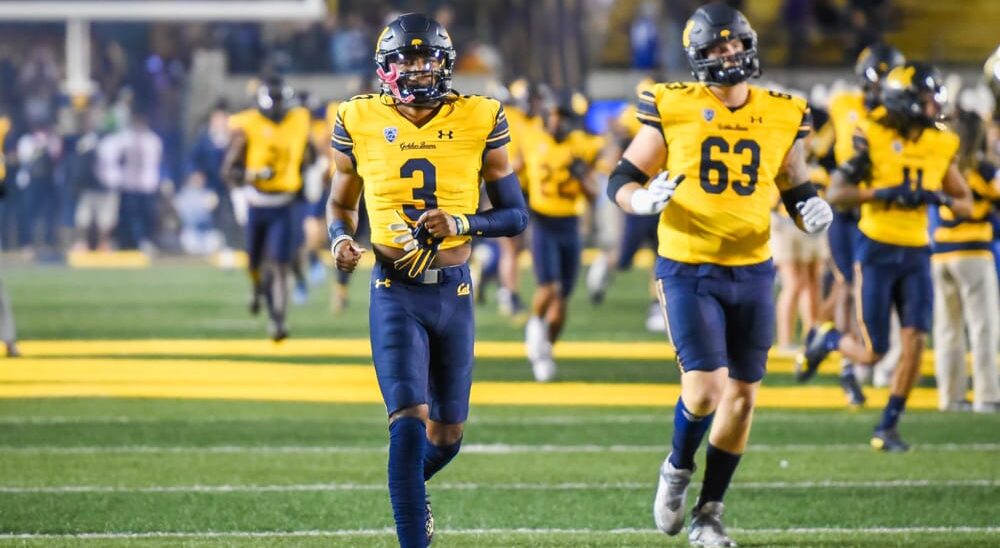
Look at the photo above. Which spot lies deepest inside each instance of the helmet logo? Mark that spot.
(708, 114)
(416, 42)
(905, 75)
(686, 35)
(390, 79)
(390, 134)
(725, 33)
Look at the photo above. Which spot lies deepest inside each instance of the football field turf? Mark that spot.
(148, 412)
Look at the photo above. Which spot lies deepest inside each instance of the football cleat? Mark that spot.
(429, 520)
(544, 369)
(852, 389)
(655, 321)
(598, 278)
(277, 330)
(808, 362)
(706, 526)
(671, 497)
(888, 440)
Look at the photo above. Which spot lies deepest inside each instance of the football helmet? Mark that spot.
(713, 24)
(415, 60)
(871, 66)
(274, 97)
(908, 89)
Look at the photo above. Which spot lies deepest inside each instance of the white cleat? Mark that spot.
(671, 495)
(598, 278)
(544, 369)
(655, 322)
(535, 338)
(706, 527)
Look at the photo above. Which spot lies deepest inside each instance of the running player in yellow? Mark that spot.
(904, 161)
(269, 147)
(847, 109)
(728, 149)
(559, 163)
(418, 151)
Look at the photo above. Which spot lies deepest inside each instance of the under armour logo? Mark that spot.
(383, 283)
(442, 134)
(756, 119)
(463, 289)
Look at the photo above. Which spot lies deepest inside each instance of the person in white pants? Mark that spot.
(965, 300)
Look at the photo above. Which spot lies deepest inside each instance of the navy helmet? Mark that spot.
(415, 59)
(713, 24)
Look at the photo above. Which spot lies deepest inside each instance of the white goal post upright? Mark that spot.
(79, 13)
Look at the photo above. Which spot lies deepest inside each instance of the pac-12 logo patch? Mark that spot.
(897, 146)
(709, 114)
(390, 134)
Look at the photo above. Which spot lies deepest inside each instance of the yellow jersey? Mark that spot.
(846, 110)
(730, 157)
(279, 146)
(4, 130)
(628, 121)
(553, 187)
(409, 169)
(976, 232)
(522, 130)
(896, 160)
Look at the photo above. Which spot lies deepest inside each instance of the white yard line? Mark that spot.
(572, 486)
(483, 449)
(477, 532)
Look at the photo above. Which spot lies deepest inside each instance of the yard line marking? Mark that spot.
(472, 448)
(804, 417)
(458, 486)
(483, 532)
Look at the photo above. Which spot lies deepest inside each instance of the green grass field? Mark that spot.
(91, 470)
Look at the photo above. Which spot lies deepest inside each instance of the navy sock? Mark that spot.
(437, 457)
(343, 277)
(407, 436)
(846, 369)
(689, 429)
(719, 468)
(893, 409)
(831, 341)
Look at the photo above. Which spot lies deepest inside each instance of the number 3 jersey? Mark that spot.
(409, 169)
(720, 213)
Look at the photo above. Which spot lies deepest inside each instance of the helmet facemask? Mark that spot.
(741, 67)
(416, 76)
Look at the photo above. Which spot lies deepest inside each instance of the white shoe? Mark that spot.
(655, 322)
(598, 278)
(535, 338)
(544, 369)
(671, 496)
(706, 526)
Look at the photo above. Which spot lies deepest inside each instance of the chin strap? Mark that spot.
(390, 79)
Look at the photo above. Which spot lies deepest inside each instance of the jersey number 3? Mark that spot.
(423, 193)
(709, 165)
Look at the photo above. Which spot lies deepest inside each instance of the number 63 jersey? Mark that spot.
(410, 169)
(720, 213)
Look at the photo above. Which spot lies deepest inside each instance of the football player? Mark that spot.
(847, 109)
(418, 150)
(903, 162)
(559, 163)
(638, 230)
(727, 148)
(268, 150)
